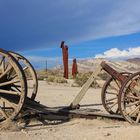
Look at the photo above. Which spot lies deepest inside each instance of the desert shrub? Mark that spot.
(40, 78)
(60, 80)
(81, 78)
(41, 74)
(51, 79)
(56, 79)
(103, 76)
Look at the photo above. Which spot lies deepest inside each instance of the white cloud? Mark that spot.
(115, 53)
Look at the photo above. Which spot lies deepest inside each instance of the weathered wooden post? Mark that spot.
(74, 68)
(65, 58)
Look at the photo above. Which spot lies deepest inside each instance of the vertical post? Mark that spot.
(46, 69)
(46, 66)
(74, 68)
(65, 58)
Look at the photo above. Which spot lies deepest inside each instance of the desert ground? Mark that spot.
(77, 128)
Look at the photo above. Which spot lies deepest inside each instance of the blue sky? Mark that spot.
(91, 28)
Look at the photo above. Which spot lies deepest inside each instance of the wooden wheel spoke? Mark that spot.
(111, 93)
(11, 72)
(135, 91)
(138, 82)
(117, 83)
(114, 88)
(135, 110)
(133, 97)
(9, 92)
(3, 57)
(9, 82)
(138, 118)
(16, 87)
(13, 77)
(3, 64)
(6, 71)
(115, 103)
(11, 104)
(111, 99)
(3, 113)
(117, 111)
(131, 104)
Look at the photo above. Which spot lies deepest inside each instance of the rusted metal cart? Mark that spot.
(18, 88)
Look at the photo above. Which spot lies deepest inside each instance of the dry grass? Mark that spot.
(56, 76)
(51, 76)
(81, 78)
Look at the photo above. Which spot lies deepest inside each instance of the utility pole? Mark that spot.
(46, 66)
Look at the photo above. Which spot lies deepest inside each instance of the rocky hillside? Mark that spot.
(89, 65)
(134, 60)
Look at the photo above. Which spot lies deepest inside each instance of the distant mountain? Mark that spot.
(89, 65)
(134, 60)
(120, 65)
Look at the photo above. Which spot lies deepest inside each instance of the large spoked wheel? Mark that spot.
(31, 77)
(109, 94)
(13, 87)
(129, 99)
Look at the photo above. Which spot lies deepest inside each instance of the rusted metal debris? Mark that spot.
(116, 75)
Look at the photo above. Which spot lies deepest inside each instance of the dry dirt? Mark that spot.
(75, 129)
